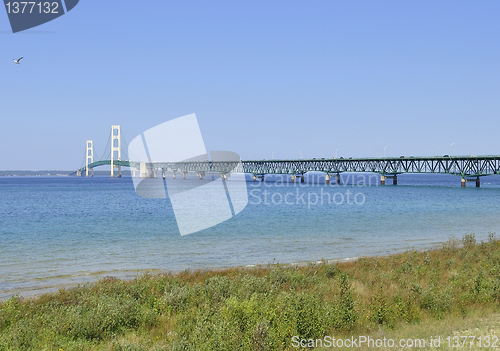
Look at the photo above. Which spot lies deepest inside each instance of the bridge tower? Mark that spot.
(89, 158)
(115, 147)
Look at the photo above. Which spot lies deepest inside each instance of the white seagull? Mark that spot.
(18, 61)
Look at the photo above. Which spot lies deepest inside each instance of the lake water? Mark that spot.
(63, 231)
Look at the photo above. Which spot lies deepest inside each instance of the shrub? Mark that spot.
(174, 299)
(345, 310)
(381, 313)
(436, 302)
(406, 309)
(469, 241)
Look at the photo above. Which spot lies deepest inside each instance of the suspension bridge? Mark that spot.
(468, 168)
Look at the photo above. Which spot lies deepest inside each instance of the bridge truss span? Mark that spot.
(465, 166)
(469, 168)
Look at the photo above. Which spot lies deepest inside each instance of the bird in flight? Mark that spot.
(18, 61)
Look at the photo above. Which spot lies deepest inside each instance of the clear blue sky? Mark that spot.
(261, 76)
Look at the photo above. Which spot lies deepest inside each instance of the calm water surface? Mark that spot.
(62, 231)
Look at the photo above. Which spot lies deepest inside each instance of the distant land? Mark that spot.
(51, 173)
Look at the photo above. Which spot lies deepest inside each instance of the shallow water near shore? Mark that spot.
(62, 231)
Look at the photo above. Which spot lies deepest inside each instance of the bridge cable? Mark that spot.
(83, 161)
(104, 154)
(125, 152)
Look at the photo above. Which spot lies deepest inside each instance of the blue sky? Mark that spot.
(261, 76)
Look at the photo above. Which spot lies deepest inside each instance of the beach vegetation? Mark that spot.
(263, 307)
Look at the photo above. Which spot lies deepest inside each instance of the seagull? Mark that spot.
(18, 61)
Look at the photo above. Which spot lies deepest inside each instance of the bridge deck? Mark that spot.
(465, 166)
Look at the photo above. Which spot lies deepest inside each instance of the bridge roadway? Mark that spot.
(469, 168)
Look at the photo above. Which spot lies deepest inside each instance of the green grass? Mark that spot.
(264, 307)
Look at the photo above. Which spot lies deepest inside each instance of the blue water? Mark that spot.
(62, 231)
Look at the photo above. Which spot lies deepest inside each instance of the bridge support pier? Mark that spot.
(78, 173)
(327, 179)
(302, 178)
(337, 176)
(465, 180)
(184, 174)
(254, 178)
(200, 175)
(293, 178)
(173, 174)
(385, 177)
(146, 171)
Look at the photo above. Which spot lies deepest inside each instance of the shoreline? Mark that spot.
(130, 275)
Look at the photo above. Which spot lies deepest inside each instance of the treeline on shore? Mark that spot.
(260, 308)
